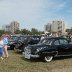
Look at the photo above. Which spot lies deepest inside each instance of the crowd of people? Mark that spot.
(3, 47)
(68, 35)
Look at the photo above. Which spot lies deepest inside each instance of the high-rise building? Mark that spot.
(6, 28)
(48, 27)
(56, 26)
(14, 26)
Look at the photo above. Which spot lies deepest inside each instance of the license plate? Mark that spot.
(27, 56)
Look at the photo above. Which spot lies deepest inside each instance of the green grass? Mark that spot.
(17, 63)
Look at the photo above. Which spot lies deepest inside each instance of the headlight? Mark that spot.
(27, 47)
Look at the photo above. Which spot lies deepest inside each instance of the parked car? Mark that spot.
(49, 48)
(12, 42)
(25, 41)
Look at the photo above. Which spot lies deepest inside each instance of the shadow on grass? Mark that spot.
(62, 58)
(17, 52)
(33, 59)
(42, 60)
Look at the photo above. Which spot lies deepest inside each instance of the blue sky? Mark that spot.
(35, 13)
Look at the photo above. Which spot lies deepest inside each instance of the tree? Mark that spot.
(69, 31)
(3, 32)
(25, 31)
(34, 31)
(17, 32)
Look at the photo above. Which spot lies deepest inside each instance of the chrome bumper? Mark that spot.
(28, 56)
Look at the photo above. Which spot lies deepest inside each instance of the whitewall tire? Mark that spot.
(48, 58)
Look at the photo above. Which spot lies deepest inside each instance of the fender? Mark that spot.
(52, 53)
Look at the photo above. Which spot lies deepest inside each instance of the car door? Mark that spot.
(63, 48)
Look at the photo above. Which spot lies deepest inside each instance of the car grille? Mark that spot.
(27, 51)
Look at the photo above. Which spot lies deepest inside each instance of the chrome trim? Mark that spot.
(29, 54)
(34, 56)
(64, 55)
(52, 52)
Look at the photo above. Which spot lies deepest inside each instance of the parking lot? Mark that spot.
(17, 63)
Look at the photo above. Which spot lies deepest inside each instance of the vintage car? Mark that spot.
(49, 48)
(24, 41)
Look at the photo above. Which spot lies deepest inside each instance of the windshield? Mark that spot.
(46, 41)
(14, 38)
(23, 38)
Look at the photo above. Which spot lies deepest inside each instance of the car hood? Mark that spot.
(36, 46)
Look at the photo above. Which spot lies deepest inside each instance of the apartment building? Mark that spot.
(56, 26)
(12, 27)
(6, 28)
(48, 27)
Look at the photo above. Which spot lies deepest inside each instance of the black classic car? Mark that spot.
(24, 41)
(49, 48)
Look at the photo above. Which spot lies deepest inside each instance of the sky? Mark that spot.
(35, 13)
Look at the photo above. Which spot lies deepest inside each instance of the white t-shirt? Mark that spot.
(1, 43)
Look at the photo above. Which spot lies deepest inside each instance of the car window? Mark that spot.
(56, 42)
(63, 41)
(35, 38)
(49, 41)
(43, 41)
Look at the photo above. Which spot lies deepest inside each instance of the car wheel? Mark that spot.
(48, 58)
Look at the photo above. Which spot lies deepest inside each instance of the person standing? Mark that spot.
(5, 41)
(1, 48)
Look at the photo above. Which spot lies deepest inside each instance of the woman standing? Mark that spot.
(1, 48)
(5, 41)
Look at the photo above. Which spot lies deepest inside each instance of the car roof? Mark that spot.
(54, 38)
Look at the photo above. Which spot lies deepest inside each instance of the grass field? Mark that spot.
(17, 63)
